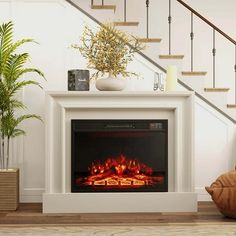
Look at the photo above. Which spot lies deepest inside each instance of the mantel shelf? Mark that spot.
(119, 93)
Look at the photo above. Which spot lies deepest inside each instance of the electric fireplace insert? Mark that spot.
(119, 156)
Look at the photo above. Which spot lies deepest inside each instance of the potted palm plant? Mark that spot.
(109, 51)
(12, 81)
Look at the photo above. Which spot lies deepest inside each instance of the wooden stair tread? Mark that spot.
(194, 73)
(103, 7)
(126, 23)
(150, 40)
(231, 105)
(216, 89)
(179, 57)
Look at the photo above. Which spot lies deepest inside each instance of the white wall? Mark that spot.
(56, 25)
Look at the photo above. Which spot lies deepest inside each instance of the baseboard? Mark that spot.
(31, 199)
(202, 194)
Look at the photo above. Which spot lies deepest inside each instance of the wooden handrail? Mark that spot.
(207, 21)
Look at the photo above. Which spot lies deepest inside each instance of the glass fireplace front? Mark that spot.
(119, 156)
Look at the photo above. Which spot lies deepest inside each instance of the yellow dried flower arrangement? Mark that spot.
(108, 50)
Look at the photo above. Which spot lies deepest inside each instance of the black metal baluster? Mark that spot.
(91, 2)
(125, 11)
(191, 37)
(102, 2)
(214, 58)
(235, 73)
(147, 6)
(169, 21)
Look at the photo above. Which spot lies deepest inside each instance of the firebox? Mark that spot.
(119, 156)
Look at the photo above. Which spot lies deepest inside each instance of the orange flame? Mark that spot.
(120, 166)
(121, 171)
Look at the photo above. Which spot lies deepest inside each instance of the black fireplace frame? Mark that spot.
(113, 125)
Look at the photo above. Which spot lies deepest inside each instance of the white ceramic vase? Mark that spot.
(110, 84)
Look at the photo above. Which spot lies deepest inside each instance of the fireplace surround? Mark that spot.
(63, 107)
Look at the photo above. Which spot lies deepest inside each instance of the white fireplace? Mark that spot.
(176, 107)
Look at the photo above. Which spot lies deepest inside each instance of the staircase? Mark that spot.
(206, 82)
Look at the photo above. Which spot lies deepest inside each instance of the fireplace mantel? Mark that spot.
(63, 106)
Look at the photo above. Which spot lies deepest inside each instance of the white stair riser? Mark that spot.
(231, 111)
(152, 50)
(219, 98)
(195, 82)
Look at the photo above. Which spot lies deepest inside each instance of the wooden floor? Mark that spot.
(31, 214)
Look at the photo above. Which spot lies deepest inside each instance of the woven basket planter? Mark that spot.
(9, 189)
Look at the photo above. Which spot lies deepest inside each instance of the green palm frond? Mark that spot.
(26, 117)
(4, 101)
(18, 132)
(15, 69)
(16, 104)
(14, 46)
(19, 43)
(19, 85)
(10, 123)
(7, 47)
(6, 37)
(9, 60)
(14, 64)
(29, 70)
